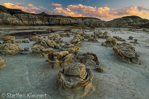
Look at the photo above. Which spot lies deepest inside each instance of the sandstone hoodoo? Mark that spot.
(99, 34)
(81, 31)
(92, 39)
(50, 37)
(75, 81)
(89, 59)
(136, 41)
(8, 39)
(57, 38)
(77, 40)
(10, 49)
(45, 42)
(26, 48)
(2, 63)
(65, 34)
(118, 38)
(127, 53)
(68, 47)
(18, 41)
(41, 51)
(110, 42)
(60, 59)
(130, 38)
(26, 41)
(34, 38)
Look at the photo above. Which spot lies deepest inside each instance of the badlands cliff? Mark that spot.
(18, 17)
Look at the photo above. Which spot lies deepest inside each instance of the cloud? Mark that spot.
(141, 8)
(33, 7)
(127, 11)
(79, 10)
(30, 8)
(146, 14)
(45, 9)
(90, 11)
(30, 5)
(83, 10)
(55, 4)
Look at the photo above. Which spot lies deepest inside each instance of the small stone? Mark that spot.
(26, 49)
(26, 41)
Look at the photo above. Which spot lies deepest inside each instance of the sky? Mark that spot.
(102, 9)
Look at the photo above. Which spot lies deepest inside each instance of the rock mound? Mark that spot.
(75, 81)
(10, 49)
(127, 53)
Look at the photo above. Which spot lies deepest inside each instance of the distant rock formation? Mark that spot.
(18, 17)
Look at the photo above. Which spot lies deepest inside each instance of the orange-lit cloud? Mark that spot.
(127, 11)
(55, 4)
(30, 5)
(80, 10)
(146, 14)
(101, 12)
(43, 9)
(30, 8)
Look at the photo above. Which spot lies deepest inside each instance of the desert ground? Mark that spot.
(120, 80)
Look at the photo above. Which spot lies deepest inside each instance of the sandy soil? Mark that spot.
(28, 74)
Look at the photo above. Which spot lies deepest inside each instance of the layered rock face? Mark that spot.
(29, 19)
(8, 19)
(133, 21)
(18, 17)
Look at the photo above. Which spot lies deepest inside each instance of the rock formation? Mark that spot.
(127, 53)
(110, 42)
(8, 39)
(18, 17)
(99, 34)
(26, 41)
(2, 63)
(89, 59)
(45, 42)
(77, 40)
(60, 59)
(18, 41)
(40, 50)
(98, 69)
(92, 39)
(34, 38)
(81, 31)
(86, 36)
(65, 34)
(57, 38)
(10, 49)
(50, 37)
(26, 49)
(130, 38)
(75, 81)
(118, 38)
(71, 48)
